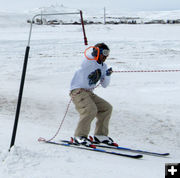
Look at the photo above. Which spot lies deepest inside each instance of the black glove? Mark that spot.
(109, 71)
(94, 77)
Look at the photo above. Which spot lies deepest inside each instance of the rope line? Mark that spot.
(57, 132)
(145, 71)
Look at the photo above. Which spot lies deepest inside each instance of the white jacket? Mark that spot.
(81, 80)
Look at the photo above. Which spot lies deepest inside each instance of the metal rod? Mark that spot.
(71, 13)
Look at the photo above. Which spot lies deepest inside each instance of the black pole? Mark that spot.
(20, 97)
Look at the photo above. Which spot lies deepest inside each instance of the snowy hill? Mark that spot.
(145, 104)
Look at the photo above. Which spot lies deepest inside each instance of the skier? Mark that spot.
(88, 104)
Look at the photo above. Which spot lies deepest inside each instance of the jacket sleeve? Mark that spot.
(105, 80)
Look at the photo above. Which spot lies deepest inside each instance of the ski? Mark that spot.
(74, 145)
(127, 149)
(132, 150)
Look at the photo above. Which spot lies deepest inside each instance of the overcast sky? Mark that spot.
(122, 5)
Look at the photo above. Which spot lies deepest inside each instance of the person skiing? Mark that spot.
(88, 104)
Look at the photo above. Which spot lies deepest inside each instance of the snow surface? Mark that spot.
(146, 105)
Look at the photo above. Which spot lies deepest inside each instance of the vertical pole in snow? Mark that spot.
(104, 15)
(21, 89)
(41, 17)
(82, 22)
(20, 96)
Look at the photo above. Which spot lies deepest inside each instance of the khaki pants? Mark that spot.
(90, 106)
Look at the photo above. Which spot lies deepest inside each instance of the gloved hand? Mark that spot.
(94, 77)
(109, 71)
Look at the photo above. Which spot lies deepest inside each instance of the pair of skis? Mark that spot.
(102, 149)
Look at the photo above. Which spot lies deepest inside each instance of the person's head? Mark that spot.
(103, 52)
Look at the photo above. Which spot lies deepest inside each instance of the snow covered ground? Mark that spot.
(146, 105)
